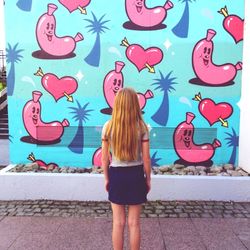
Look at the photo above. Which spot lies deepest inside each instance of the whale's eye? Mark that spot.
(52, 26)
(47, 27)
(189, 133)
(115, 82)
(208, 51)
(33, 110)
(185, 132)
(205, 50)
(37, 110)
(119, 83)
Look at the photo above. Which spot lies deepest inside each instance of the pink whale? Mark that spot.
(97, 157)
(37, 129)
(113, 82)
(47, 38)
(143, 98)
(185, 147)
(204, 67)
(139, 14)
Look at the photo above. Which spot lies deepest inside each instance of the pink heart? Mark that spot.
(140, 57)
(59, 87)
(234, 25)
(212, 111)
(72, 5)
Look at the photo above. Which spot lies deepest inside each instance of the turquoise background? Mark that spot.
(20, 28)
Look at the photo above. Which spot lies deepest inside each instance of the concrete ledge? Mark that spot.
(84, 187)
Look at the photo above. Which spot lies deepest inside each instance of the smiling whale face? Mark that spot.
(32, 117)
(206, 54)
(139, 4)
(46, 29)
(116, 86)
(35, 114)
(183, 137)
(186, 137)
(112, 84)
(49, 30)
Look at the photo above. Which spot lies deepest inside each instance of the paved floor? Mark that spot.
(95, 233)
(88, 225)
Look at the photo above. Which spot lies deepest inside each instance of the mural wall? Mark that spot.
(66, 60)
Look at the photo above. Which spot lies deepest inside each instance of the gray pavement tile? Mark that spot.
(241, 227)
(7, 239)
(76, 240)
(32, 241)
(217, 234)
(74, 224)
(13, 224)
(180, 234)
(151, 237)
(42, 224)
(82, 233)
(87, 235)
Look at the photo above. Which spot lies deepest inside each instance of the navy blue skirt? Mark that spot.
(127, 185)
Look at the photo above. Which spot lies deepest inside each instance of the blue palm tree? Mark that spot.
(164, 84)
(81, 114)
(10, 138)
(24, 5)
(96, 27)
(13, 56)
(233, 141)
(154, 160)
(182, 27)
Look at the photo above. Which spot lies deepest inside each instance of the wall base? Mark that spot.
(90, 187)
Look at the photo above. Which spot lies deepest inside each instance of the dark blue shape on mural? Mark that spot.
(96, 27)
(13, 56)
(233, 141)
(154, 160)
(182, 27)
(81, 115)
(24, 5)
(164, 84)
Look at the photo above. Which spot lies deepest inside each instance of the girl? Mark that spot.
(126, 136)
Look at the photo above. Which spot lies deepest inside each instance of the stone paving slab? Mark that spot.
(180, 234)
(95, 233)
(241, 227)
(217, 234)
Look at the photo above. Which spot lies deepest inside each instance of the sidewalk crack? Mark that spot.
(200, 236)
(165, 246)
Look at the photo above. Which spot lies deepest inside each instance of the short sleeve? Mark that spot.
(104, 129)
(145, 136)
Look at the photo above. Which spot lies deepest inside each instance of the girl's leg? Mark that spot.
(134, 226)
(119, 221)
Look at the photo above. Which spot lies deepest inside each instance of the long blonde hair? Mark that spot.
(126, 125)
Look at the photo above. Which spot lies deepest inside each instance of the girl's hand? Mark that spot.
(107, 185)
(148, 183)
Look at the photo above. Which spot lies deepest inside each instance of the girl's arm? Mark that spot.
(105, 161)
(146, 162)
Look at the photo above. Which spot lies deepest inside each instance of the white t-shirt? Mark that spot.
(116, 162)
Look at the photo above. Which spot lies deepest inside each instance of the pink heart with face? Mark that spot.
(213, 112)
(59, 88)
(234, 25)
(140, 57)
(72, 5)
